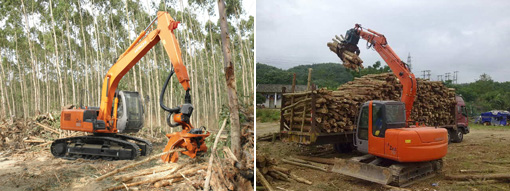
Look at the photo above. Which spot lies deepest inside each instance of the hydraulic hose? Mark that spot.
(161, 104)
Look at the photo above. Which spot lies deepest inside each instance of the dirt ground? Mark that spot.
(481, 145)
(39, 170)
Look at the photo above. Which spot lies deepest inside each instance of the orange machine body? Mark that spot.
(411, 144)
(105, 116)
(405, 144)
(73, 119)
(193, 143)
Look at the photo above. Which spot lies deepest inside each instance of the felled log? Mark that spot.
(349, 59)
(209, 168)
(263, 181)
(188, 172)
(305, 165)
(299, 179)
(136, 164)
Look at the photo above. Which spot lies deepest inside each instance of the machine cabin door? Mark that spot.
(129, 112)
(376, 128)
(361, 138)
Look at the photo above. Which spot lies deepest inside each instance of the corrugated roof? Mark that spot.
(277, 88)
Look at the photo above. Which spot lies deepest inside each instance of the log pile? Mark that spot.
(337, 111)
(268, 171)
(349, 59)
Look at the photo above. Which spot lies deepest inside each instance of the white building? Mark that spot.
(273, 93)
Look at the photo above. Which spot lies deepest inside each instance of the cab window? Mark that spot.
(378, 126)
(363, 124)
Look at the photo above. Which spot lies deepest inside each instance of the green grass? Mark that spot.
(480, 126)
(268, 115)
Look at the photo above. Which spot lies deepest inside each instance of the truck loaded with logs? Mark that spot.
(402, 124)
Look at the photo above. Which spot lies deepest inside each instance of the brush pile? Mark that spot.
(19, 134)
(337, 111)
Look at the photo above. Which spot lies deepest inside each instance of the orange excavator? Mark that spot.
(122, 111)
(398, 150)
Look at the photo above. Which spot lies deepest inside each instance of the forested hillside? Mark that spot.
(55, 53)
(484, 95)
(329, 75)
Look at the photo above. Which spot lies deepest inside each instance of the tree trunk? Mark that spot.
(235, 128)
(86, 92)
(35, 87)
(22, 79)
(57, 63)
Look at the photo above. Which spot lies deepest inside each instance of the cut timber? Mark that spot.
(171, 176)
(263, 181)
(477, 171)
(305, 165)
(336, 111)
(299, 179)
(136, 164)
(156, 169)
(209, 168)
(48, 128)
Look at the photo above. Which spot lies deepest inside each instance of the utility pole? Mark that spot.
(423, 75)
(428, 74)
(447, 76)
(409, 61)
(439, 77)
(455, 76)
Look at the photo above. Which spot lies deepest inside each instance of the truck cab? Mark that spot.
(462, 121)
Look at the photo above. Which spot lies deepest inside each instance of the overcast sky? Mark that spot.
(472, 37)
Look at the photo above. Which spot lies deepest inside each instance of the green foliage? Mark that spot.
(268, 115)
(271, 75)
(329, 75)
(377, 68)
(260, 98)
(484, 95)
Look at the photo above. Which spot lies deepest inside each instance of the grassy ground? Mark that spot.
(268, 115)
(483, 145)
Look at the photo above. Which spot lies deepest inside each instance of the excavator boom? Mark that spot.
(399, 68)
(122, 111)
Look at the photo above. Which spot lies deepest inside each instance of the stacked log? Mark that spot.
(269, 171)
(349, 59)
(337, 111)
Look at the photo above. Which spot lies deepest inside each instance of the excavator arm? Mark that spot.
(113, 117)
(164, 32)
(399, 68)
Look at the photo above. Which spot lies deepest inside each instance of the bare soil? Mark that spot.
(481, 145)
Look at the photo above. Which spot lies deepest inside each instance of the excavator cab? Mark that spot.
(129, 112)
(384, 115)
(382, 132)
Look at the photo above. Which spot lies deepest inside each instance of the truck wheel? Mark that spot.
(457, 138)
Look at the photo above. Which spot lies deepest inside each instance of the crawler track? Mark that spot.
(107, 147)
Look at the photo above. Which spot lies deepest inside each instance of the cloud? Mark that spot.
(471, 37)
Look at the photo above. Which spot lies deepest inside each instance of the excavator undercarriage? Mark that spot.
(385, 171)
(101, 146)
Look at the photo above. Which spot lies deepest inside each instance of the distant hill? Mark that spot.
(329, 75)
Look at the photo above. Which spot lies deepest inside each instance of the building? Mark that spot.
(273, 93)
